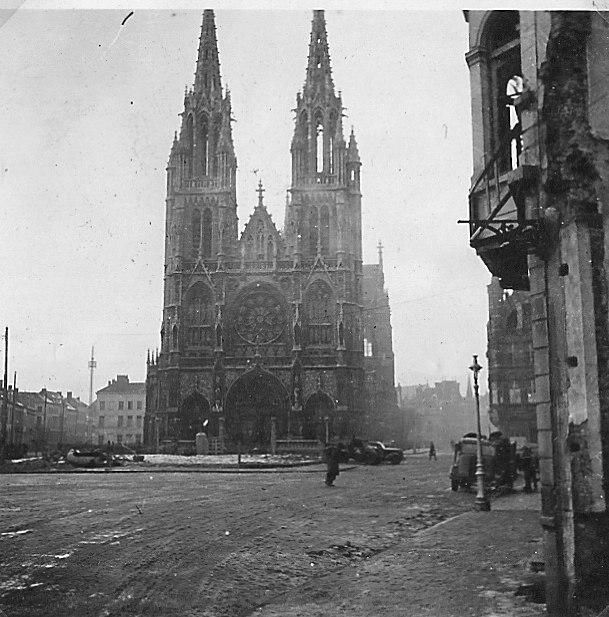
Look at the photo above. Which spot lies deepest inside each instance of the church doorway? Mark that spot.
(251, 404)
(192, 414)
(318, 417)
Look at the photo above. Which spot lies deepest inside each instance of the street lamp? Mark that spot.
(482, 503)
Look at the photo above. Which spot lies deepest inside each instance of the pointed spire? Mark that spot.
(207, 77)
(319, 72)
(469, 395)
(380, 248)
(352, 151)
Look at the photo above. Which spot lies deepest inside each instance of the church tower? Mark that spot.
(324, 215)
(201, 221)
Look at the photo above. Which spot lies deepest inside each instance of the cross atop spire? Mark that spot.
(260, 191)
(319, 72)
(207, 77)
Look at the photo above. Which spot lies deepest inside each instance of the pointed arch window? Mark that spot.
(319, 143)
(325, 230)
(331, 144)
(204, 144)
(190, 144)
(199, 309)
(313, 231)
(207, 233)
(319, 308)
(270, 249)
(196, 232)
(174, 337)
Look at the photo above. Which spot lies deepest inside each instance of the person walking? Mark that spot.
(331, 455)
(432, 452)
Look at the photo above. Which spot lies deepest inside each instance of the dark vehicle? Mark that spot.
(384, 454)
(88, 458)
(498, 460)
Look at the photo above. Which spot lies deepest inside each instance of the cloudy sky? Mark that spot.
(87, 119)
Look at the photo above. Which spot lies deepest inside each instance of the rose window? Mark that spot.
(260, 318)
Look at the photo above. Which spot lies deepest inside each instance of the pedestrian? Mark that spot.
(528, 469)
(432, 452)
(331, 455)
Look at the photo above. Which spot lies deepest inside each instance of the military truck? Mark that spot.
(498, 460)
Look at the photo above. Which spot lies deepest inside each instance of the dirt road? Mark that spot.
(204, 544)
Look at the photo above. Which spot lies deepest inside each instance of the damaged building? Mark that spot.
(539, 220)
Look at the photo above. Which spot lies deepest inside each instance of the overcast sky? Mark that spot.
(87, 117)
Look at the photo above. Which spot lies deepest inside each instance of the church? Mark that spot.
(268, 334)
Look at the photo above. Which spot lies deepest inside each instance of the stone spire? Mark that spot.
(319, 72)
(352, 151)
(207, 76)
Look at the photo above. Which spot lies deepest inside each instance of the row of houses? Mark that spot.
(43, 420)
(47, 420)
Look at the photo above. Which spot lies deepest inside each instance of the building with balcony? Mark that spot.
(538, 219)
(262, 332)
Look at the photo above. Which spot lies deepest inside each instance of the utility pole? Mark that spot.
(44, 418)
(4, 400)
(92, 364)
(12, 433)
(63, 413)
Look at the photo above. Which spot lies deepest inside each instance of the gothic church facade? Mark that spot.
(262, 334)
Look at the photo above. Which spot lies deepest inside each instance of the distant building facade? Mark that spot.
(263, 333)
(511, 370)
(117, 415)
(439, 413)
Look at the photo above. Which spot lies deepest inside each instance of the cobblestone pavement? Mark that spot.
(230, 545)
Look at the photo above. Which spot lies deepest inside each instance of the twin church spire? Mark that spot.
(202, 165)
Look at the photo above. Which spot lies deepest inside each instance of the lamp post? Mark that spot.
(482, 503)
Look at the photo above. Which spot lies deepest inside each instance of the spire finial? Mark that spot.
(260, 191)
(380, 248)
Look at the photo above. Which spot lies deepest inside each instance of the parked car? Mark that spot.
(387, 454)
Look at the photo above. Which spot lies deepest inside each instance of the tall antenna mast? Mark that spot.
(92, 365)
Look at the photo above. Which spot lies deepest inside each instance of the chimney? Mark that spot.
(69, 395)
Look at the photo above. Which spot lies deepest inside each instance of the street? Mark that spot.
(206, 544)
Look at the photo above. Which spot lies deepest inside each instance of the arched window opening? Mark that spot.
(199, 316)
(313, 231)
(319, 315)
(174, 337)
(325, 230)
(260, 240)
(367, 348)
(207, 233)
(196, 232)
(190, 145)
(319, 144)
(503, 43)
(204, 144)
(270, 249)
(332, 133)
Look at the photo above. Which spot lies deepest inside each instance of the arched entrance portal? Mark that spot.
(318, 417)
(251, 403)
(192, 414)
